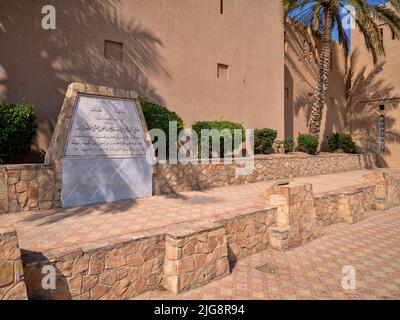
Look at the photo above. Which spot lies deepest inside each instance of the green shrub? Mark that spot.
(17, 129)
(226, 131)
(287, 145)
(263, 140)
(342, 141)
(307, 143)
(158, 117)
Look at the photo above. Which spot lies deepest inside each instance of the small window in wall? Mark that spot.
(113, 50)
(381, 32)
(382, 107)
(221, 6)
(223, 71)
(286, 93)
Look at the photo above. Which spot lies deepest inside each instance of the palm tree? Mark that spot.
(324, 16)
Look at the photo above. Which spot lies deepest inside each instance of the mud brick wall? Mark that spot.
(12, 284)
(99, 271)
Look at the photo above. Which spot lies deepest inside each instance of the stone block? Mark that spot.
(97, 263)
(17, 292)
(81, 265)
(115, 258)
(6, 273)
(9, 249)
(28, 175)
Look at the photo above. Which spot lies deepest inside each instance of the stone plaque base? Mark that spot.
(105, 180)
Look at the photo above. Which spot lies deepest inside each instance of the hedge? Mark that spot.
(225, 129)
(17, 130)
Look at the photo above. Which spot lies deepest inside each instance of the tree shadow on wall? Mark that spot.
(302, 63)
(74, 52)
(37, 271)
(368, 92)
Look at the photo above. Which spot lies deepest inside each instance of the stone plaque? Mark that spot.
(100, 141)
(105, 127)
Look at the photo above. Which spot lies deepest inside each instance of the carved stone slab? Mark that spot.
(100, 140)
(105, 127)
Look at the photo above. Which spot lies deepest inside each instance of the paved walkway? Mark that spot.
(60, 228)
(313, 271)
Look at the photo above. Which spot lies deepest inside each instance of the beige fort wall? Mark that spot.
(170, 53)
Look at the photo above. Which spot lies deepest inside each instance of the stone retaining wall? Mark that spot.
(387, 189)
(30, 187)
(247, 234)
(3, 191)
(189, 256)
(348, 205)
(186, 177)
(194, 259)
(296, 218)
(38, 187)
(12, 284)
(118, 269)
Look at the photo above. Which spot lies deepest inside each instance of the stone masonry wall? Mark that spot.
(353, 203)
(189, 256)
(194, 259)
(247, 234)
(30, 187)
(348, 205)
(3, 191)
(38, 187)
(296, 217)
(99, 271)
(12, 284)
(387, 189)
(186, 177)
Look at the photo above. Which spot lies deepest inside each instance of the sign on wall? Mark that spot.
(105, 127)
(382, 140)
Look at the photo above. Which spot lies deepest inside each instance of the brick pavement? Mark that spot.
(313, 271)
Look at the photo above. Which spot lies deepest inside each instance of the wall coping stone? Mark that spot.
(27, 166)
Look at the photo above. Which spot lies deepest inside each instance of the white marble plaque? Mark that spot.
(105, 127)
(105, 155)
(105, 180)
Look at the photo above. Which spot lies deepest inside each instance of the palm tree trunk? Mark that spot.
(314, 125)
